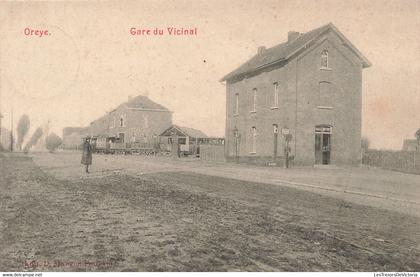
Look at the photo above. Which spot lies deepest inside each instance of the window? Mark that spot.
(254, 140)
(324, 59)
(276, 95)
(236, 104)
(325, 95)
(254, 101)
(122, 121)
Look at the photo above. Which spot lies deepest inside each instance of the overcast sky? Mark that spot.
(90, 63)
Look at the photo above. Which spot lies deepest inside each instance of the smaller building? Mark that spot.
(181, 141)
(73, 137)
(410, 145)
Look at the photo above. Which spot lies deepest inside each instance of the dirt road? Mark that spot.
(182, 221)
(366, 186)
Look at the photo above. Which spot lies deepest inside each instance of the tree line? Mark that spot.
(52, 141)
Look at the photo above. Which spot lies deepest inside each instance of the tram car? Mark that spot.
(113, 145)
(102, 145)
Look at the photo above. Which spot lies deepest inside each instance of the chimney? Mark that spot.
(261, 49)
(291, 36)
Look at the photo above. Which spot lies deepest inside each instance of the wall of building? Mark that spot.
(265, 116)
(299, 87)
(331, 97)
(138, 125)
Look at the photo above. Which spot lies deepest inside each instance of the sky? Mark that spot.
(90, 63)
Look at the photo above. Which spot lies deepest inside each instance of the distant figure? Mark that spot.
(87, 154)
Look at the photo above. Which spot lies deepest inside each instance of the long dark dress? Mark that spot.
(87, 153)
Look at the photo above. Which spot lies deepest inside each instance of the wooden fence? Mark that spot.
(212, 152)
(403, 161)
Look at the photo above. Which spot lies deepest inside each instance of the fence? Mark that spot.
(212, 152)
(403, 161)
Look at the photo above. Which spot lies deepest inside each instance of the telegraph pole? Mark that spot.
(1, 116)
(11, 131)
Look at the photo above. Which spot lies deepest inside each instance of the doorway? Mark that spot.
(121, 137)
(323, 144)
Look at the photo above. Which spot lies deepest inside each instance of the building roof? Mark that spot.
(284, 51)
(143, 102)
(139, 102)
(190, 132)
(193, 132)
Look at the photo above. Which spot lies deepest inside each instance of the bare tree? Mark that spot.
(22, 130)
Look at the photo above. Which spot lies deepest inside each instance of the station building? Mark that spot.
(303, 96)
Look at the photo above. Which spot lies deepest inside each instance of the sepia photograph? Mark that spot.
(210, 136)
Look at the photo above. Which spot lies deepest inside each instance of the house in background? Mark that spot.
(139, 120)
(303, 96)
(73, 137)
(412, 145)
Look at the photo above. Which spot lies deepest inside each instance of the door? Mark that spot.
(121, 137)
(318, 150)
(323, 144)
(326, 148)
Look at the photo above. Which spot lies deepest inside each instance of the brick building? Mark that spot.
(310, 88)
(137, 120)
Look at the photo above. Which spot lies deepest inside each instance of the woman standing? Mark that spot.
(87, 154)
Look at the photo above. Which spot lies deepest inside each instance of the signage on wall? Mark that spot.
(323, 129)
(285, 131)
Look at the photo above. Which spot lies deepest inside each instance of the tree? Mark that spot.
(52, 142)
(34, 139)
(22, 130)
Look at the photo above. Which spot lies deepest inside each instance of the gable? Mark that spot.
(280, 54)
(173, 130)
(183, 131)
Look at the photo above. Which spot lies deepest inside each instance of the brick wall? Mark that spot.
(300, 107)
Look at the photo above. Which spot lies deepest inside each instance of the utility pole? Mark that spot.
(11, 131)
(1, 116)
